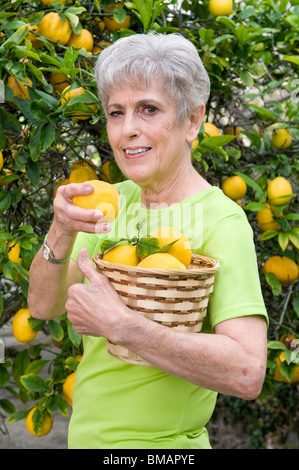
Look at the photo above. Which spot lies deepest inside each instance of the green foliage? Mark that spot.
(252, 60)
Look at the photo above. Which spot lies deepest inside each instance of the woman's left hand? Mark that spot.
(95, 309)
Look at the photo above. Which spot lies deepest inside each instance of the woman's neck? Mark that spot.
(183, 183)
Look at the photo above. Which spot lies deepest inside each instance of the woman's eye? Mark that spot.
(150, 109)
(115, 113)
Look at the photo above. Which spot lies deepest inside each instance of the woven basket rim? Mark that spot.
(215, 265)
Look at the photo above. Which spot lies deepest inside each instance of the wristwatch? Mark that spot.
(49, 255)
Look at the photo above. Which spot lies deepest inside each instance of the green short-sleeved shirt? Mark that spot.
(122, 406)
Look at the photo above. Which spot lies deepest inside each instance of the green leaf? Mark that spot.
(63, 408)
(36, 366)
(71, 363)
(253, 184)
(254, 206)
(273, 283)
(32, 171)
(7, 406)
(17, 416)
(283, 240)
(291, 58)
(269, 234)
(9, 122)
(34, 383)
(277, 345)
(39, 110)
(47, 136)
(110, 243)
(75, 337)
(36, 324)
(4, 376)
(56, 330)
(15, 38)
(147, 246)
(144, 9)
(5, 201)
(34, 145)
(19, 366)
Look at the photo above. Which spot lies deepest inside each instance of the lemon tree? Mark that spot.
(52, 132)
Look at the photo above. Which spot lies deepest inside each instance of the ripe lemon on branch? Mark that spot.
(22, 331)
(284, 269)
(220, 7)
(210, 130)
(67, 388)
(68, 95)
(84, 39)
(279, 191)
(54, 28)
(281, 139)
(19, 89)
(104, 198)
(38, 424)
(234, 187)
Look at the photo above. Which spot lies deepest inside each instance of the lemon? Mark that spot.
(161, 261)
(279, 191)
(80, 175)
(84, 39)
(104, 198)
(46, 426)
(13, 252)
(67, 388)
(265, 219)
(22, 331)
(281, 139)
(210, 130)
(181, 249)
(220, 7)
(122, 254)
(234, 187)
(284, 269)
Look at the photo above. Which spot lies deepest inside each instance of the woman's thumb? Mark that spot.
(86, 266)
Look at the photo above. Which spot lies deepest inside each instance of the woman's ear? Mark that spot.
(194, 123)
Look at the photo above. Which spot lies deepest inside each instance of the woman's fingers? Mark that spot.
(74, 218)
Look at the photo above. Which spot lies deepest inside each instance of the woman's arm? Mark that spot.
(232, 361)
(48, 283)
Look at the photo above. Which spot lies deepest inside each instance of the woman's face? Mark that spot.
(148, 142)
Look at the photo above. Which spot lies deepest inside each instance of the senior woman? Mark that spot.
(153, 90)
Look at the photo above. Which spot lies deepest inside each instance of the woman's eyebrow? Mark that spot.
(142, 102)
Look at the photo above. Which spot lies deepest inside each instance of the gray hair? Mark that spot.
(170, 61)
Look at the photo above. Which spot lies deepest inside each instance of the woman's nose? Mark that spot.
(130, 125)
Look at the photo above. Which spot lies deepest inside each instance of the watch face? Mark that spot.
(46, 253)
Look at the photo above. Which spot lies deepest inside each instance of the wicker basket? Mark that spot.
(174, 298)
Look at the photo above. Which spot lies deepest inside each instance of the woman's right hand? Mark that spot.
(69, 218)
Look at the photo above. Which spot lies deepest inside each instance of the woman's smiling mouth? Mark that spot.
(135, 152)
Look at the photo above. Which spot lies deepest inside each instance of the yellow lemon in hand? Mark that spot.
(104, 198)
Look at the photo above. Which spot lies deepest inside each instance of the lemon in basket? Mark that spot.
(122, 254)
(181, 249)
(104, 198)
(161, 261)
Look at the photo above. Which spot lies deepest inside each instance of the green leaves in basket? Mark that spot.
(145, 246)
(149, 245)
